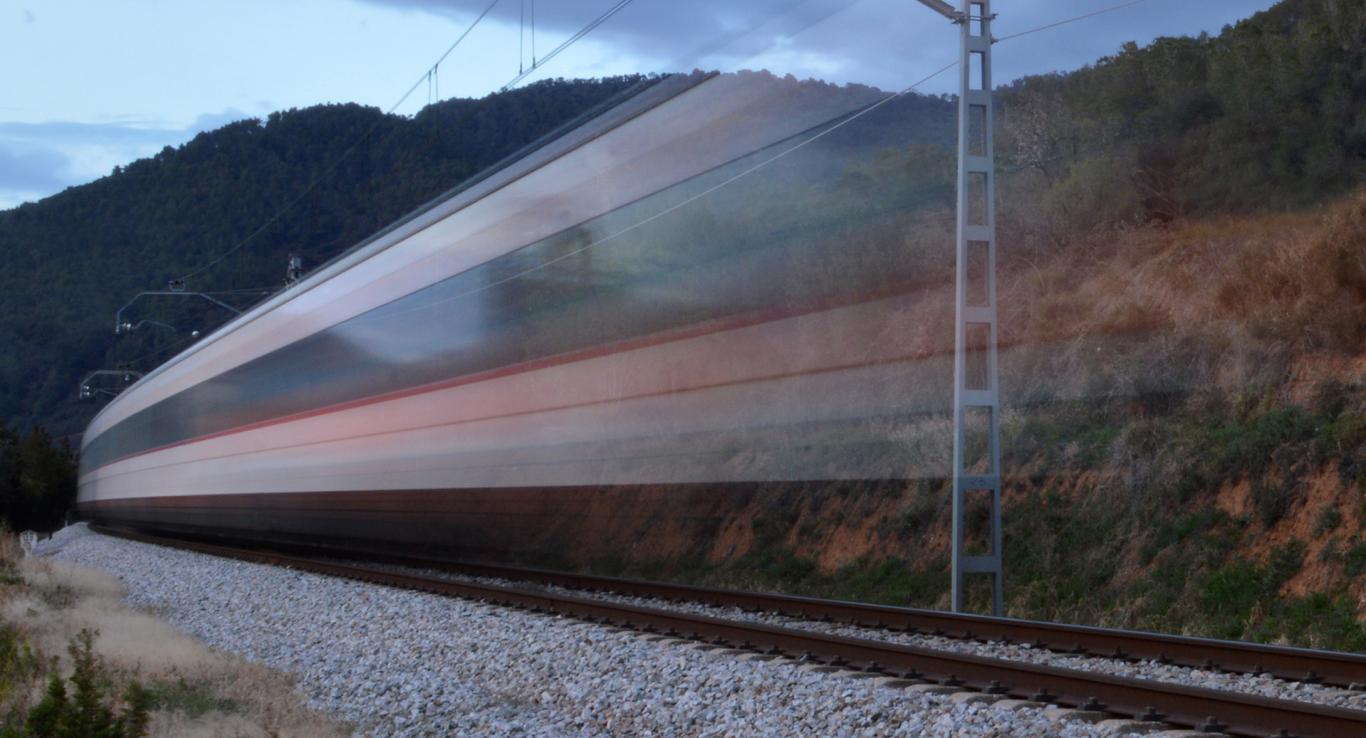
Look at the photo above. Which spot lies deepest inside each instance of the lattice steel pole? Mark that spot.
(976, 391)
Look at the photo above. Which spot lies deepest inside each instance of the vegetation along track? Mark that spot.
(1237, 714)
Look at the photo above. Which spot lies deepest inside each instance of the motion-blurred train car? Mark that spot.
(691, 294)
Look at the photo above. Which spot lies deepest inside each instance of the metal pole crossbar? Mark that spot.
(942, 8)
(118, 316)
(86, 391)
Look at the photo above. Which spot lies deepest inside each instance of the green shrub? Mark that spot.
(84, 712)
(1332, 552)
(1328, 520)
(1273, 501)
(1233, 590)
(19, 666)
(1356, 560)
(1242, 600)
(1200, 521)
(1247, 449)
(37, 479)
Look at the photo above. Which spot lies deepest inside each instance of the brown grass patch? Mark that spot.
(197, 691)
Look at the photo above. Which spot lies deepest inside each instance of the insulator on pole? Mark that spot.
(295, 271)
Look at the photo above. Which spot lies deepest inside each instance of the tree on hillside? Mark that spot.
(1268, 114)
(37, 480)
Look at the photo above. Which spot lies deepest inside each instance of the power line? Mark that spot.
(244, 291)
(766, 162)
(427, 76)
(698, 53)
(698, 196)
(535, 64)
(161, 350)
(722, 41)
(1069, 20)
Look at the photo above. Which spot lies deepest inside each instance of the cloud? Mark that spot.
(696, 30)
(33, 169)
(884, 43)
(67, 132)
(214, 121)
(41, 159)
(28, 17)
(29, 173)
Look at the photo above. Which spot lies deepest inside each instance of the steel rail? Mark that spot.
(1345, 670)
(1241, 714)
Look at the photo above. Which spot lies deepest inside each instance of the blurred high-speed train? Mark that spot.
(659, 304)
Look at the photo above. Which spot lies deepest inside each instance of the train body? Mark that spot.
(643, 314)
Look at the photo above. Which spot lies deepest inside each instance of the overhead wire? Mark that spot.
(535, 64)
(243, 291)
(427, 77)
(689, 58)
(592, 25)
(192, 336)
(475, 109)
(161, 350)
(331, 168)
(1069, 20)
(684, 203)
(726, 39)
(766, 162)
(798, 146)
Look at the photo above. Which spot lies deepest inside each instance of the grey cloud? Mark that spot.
(38, 159)
(646, 27)
(880, 42)
(126, 133)
(30, 170)
(66, 132)
(213, 121)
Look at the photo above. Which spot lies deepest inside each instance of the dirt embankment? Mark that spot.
(1184, 421)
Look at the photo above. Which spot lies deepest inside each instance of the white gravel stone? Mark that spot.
(400, 663)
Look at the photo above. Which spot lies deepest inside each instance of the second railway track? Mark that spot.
(1116, 696)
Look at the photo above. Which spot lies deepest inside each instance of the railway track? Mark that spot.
(1344, 670)
(1148, 700)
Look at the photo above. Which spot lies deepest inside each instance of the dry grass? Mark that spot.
(1227, 302)
(197, 691)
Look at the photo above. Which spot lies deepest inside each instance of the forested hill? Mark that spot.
(1268, 114)
(69, 262)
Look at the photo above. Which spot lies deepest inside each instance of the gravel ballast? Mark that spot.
(1264, 685)
(400, 663)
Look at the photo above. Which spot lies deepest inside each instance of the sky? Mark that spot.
(94, 84)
